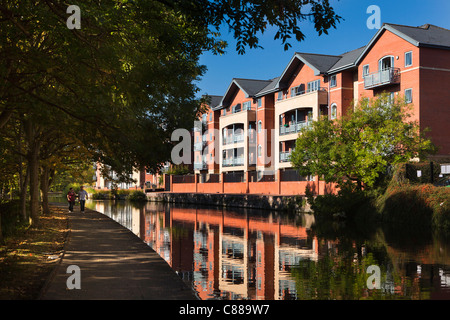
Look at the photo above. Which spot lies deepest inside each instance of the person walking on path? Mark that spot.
(82, 197)
(71, 198)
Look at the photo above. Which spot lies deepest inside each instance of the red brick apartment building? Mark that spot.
(247, 135)
(252, 128)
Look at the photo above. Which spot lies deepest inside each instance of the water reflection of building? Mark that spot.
(230, 256)
(236, 255)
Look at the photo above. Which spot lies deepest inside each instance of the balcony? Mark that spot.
(294, 127)
(200, 165)
(285, 156)
(233, 162)
(233, 138)
(381, 78)
(198, 146)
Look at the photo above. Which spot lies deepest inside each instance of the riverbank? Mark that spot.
(422, 204)
(254, 201)
(29, 255)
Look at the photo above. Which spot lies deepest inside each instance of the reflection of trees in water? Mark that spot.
(412, 260)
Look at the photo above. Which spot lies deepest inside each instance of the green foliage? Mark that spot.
(137, 195)
(102, 195)
(358, 148)
(424, 205)
(10, 222)
(247, 19)
(180, 169)
(346, 204)
(114, 194)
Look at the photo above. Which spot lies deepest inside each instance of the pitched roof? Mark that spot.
(320, 63)
(270, 88)
(347, 60)
(213, 100)
(427, 35)
(250, 87)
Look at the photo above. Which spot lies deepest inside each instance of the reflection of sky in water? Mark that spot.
(248, 254)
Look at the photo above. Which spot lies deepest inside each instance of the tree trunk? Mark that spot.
(33, 162)
(23, 195)
(44, 188)
(1, 234)
(34, 146)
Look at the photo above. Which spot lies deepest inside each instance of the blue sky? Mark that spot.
(351, 33)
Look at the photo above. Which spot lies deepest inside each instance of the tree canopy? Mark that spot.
(125, 80)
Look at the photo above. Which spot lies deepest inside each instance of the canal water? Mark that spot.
(253, 254)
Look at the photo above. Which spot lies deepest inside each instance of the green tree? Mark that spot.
(123, 82)
(357, 149)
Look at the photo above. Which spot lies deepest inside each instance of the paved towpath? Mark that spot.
(114, 264)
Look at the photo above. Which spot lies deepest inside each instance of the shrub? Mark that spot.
(137, 195)
(102, 195)
(419, 204)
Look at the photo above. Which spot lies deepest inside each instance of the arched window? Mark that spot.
(259, 126)
(259, 150)
(333, 111)
(386, 62)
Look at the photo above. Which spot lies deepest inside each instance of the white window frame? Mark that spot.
(333, 81)
(259, 126)
(380, 62)
(410, 64)
(313, 86)
(259, 151)
(259, 102)
(334, 105)
(365, 70)
(279, 95)
(410, 100)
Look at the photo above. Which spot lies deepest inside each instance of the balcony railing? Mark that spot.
(234, 138)
(294, 127)
(233, 162)
(200, 165)
(382, 77)
(285, 156)
(198, 146)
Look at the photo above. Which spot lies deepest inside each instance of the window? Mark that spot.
(259, 150)
(408, 95)
(280, 95)
(298, 90)
(259, 103)
(365, 70)
(386, 63)
(224, 111)
(210, 116)
(333, 113)
(247, 105)
(210, 137)
(333, 81)
(313, 86)
(408, 59)
(259, 126)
